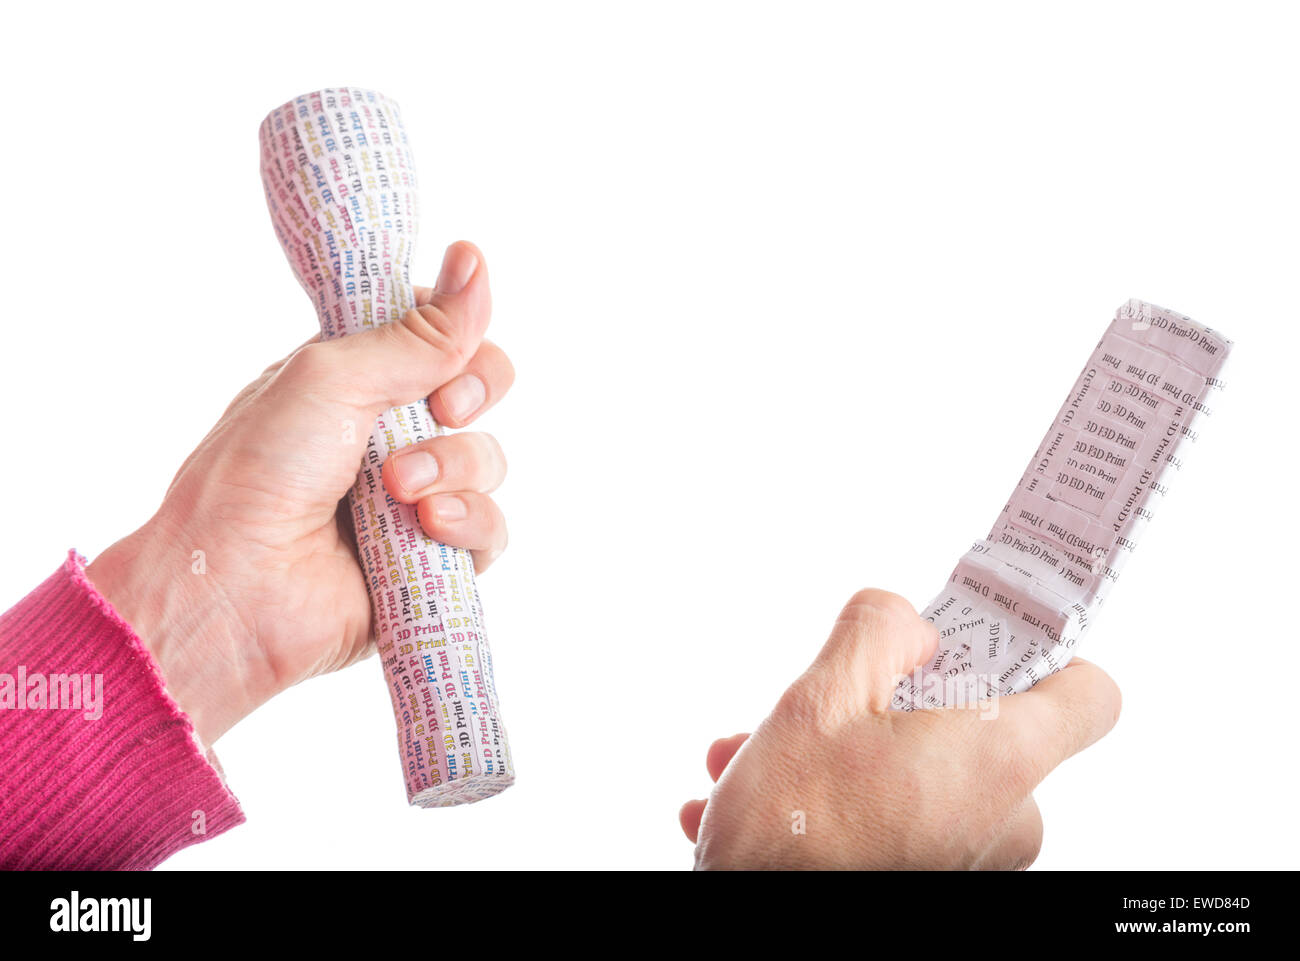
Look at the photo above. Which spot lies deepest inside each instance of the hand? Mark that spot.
(277, 595)
(877, 788)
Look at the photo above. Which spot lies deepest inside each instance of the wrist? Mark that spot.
(162, 589)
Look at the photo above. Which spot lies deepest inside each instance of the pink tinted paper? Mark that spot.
(1018, 601)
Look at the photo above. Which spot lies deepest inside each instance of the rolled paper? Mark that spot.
(1019, 601)
(341, 189)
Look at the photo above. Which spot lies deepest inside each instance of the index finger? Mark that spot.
(485, 380)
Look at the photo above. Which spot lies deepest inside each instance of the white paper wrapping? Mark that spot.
(1019, 601)
(341, 188)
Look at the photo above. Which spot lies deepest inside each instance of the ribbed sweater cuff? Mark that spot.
(124, 791)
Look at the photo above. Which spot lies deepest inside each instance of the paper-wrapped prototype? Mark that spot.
(341, 188)
(1018, 601)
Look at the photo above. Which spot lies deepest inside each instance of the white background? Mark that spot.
(793, 292)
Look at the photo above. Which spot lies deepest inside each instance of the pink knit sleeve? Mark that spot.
(100, 769)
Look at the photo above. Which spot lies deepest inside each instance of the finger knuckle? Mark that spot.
(872, 603)
(431, 326)
(310, 363)
(799, 704)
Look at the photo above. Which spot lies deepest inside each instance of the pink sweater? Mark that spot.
(126, 790)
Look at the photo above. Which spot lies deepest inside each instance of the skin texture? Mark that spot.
(883, 789)
(277, 595)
